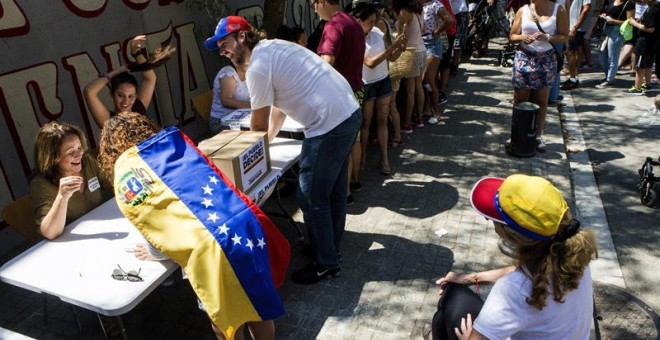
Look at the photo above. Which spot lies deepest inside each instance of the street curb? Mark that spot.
(588, 204)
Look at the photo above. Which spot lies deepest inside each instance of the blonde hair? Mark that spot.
(120, 133)
(47, 147)
(559, 263)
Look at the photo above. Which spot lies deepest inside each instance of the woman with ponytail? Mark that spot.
(547, 292)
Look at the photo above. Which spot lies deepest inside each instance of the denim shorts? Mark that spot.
(433, 46)
(377, 90)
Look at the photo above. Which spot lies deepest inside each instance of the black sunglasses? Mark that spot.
(121, 275)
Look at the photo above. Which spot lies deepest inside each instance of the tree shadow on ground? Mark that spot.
(360, 294)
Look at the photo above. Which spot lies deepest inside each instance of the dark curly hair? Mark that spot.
(120, 133)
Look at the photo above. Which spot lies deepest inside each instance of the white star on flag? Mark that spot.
(261, 243)
(207, 190)
(236, 239)
(249, 244)
(224, 229)
(207, 202)
(213, 217)
(213, 179)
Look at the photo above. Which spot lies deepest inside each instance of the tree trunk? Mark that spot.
(273, 16)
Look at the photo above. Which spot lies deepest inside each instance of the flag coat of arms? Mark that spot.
(232, 253)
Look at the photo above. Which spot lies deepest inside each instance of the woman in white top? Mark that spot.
(535, 61)
(229, 93)
(410, 22)
(376, 78)
(547, 293)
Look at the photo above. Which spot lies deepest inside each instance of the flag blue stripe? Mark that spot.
(181, 167)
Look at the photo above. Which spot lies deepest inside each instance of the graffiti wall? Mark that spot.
(52, 49)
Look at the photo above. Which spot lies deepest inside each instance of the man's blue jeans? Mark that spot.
(323, 187)
(610, 57)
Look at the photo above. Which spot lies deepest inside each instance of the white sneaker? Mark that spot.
(433, 121)
(540, 145)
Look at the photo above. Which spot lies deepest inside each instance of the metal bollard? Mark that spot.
(523, 130)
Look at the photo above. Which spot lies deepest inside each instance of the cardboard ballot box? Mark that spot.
(242, 155)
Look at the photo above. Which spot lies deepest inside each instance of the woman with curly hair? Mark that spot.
(125, 131)
(547, 293)
(68, 183)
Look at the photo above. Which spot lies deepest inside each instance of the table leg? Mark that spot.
(301, 234)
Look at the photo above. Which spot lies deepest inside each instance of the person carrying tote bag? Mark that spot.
(615, 15)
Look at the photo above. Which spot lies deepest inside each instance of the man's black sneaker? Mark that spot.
(570, 85)
(313, 273)
(442, 97)
(356, 186)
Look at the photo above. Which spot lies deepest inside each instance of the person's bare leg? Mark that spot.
(410, 100)
(382, 112)
(430, 78)
(367, 114)
(262, 330)
(625, 54)
(419, 93)
(394, 116)
(520, 95)
(541, 99)
(647, 76)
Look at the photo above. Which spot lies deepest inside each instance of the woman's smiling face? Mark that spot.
(70, 156)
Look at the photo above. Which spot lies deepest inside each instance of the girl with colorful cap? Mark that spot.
(547, 293)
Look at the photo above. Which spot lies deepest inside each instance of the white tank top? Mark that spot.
(529, 27)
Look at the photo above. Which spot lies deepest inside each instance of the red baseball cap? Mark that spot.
(226, 26)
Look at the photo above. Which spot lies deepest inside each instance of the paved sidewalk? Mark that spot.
(403, 233)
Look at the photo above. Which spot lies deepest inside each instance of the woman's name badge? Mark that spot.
(93, 184)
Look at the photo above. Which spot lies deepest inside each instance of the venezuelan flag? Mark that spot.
(234, 256)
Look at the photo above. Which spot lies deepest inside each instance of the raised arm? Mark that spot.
(91, 93)
(390, 53)
(146, 90)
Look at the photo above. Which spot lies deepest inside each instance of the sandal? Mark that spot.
(384, 171)
(397, 143)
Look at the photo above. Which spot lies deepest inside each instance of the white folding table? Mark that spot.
(77, 266)
(243, 117)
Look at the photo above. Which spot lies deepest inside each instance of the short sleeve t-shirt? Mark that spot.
(506, 314)
(343, 38)
(240, 91)
(647, 42)
(431, 19)
(301, 84)
(576, 9)
(375, 44)
(619, 12)
(97, 190)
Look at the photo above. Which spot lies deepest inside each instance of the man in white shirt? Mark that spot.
(310, 91)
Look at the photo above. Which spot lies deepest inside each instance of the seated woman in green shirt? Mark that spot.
(68, 183)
